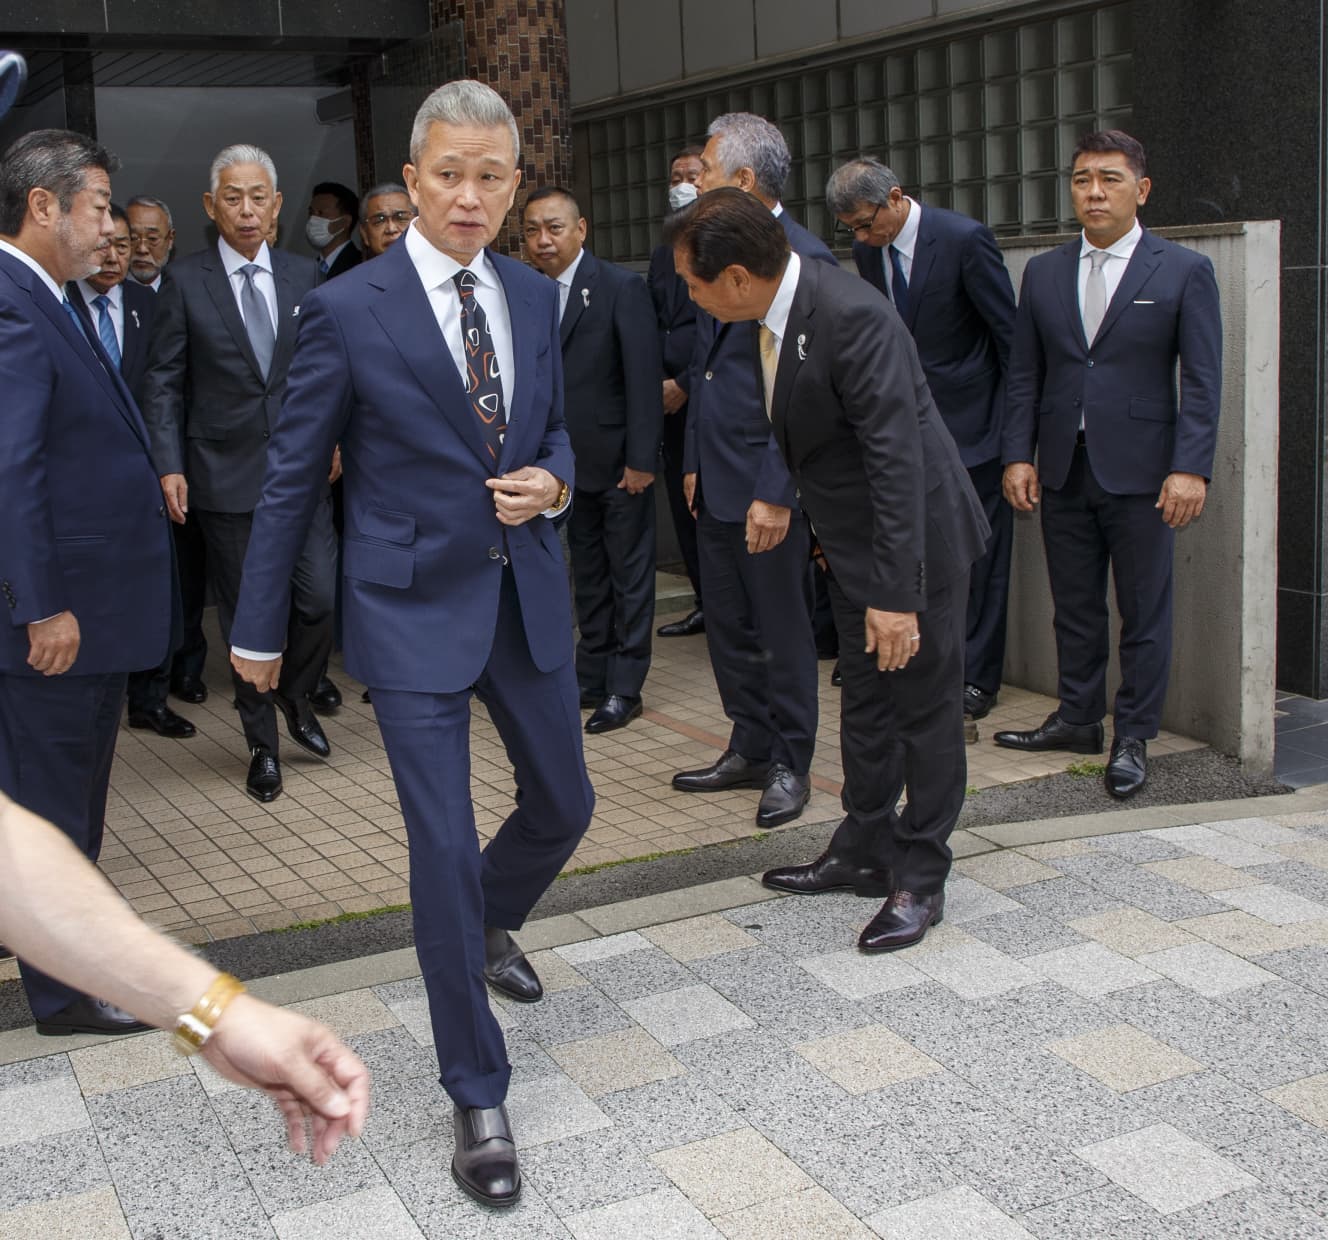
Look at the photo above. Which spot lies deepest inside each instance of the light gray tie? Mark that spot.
(1095, 296)
(257, 319)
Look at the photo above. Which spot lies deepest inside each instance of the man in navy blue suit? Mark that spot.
(946, 277)
(437, 368)
(753, 541)
(85, 563)
(1123, 459)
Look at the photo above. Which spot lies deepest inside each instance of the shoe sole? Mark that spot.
(867, 891)
(1125, 796)
(899, 947)
(170, 736)
(1075, 748)
(264, 798)
(740, 783)
(612, 727)
(485, 1199)
(511, 994)
(778, 820)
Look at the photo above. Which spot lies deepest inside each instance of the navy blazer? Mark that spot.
(423, 554)
(675, 312)
(612, 399)
(140, 305)
(349, 257)
(85, 529)
(961, 314)
(879, 475)
(728, 444)
(1136, 429)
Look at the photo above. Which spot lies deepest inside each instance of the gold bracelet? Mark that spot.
(196, 1026)
(562, 498)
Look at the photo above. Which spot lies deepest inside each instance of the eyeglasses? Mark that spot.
(397, 217)
(865, 226)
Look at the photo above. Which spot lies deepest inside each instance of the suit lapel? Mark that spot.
(924, 252)
(219, 289)
(526, 331)
(1067, 283)
(794, 348)
(1143, 262)
(578, 299)
(287, 322)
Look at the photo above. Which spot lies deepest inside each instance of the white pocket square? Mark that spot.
(1145, 303)
(295, 311)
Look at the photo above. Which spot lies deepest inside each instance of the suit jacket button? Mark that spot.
(710, 374)
(161, 512)
(1090, 361)
(495, 554)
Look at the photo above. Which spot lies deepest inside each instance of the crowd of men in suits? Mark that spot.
(861, 438)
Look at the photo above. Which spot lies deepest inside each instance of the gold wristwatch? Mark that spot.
(196, 1026)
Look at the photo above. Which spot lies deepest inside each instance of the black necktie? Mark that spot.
(483, 385)
(898, 283)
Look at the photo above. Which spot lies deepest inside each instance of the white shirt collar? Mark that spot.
(114, 295)
(28, 261)
(1122, 248)
(907, 239)
(776, 318)
(328, 259)
(436, 268)
(233, 260)
(566, 277)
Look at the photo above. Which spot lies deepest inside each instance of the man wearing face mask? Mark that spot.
(675, 313)
(334, 210)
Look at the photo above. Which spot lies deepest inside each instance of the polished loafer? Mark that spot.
(1055, 733)
(190, 689)
(326, 698)
(977, 702)
(731, 770)
(688, 626)
(484, 1162)
(614, 712)
(829, 873)
(264, 779)
(506, 968)
(903, 920)
(163, 721)
(304, 729)
(89, 1015)
(784, 796)
(1127, 768)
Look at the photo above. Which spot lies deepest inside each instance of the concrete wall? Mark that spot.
(1224, 663)
(619, 46)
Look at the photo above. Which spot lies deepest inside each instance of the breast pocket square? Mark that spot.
(1137, 303)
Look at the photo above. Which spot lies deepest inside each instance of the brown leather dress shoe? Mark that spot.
(829, 873)
(484, 1163)
(903, 920)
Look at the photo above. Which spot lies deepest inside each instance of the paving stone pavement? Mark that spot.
(1125, 1037)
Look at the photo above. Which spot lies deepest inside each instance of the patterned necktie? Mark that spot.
(769, 364)
(257, 319)
(1095, 296)
(106, 329)
(898, 283)
(483, 385)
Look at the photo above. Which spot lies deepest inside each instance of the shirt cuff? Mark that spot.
(259, 656)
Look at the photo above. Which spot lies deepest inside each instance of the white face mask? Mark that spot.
(320, 231)
(681, 194)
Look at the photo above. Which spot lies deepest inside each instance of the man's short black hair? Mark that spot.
(51, 159)
(1114, 140)
(553, 191)
(348, 201)
(727, 227)
(119, 213)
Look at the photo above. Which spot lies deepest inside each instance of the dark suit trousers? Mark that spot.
(147, 690)
(309, 632)
(903, 731)
(1084, 529)
(759, 630)
(989, 583)
(611, 541)
(684, 523)
(455, 890)
(57, 741)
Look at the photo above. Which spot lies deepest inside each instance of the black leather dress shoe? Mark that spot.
(784, 797)
(484, 1163)
(304, 729)
(364, 697)
(688, 626)
(89, 1015)
(190, 689)
(731, 770)
(1127, 768)
(829, 873)
(591, 698)
(506, 968)
(326, 697)
(903, 920)
(163, 721)
(977, 702)
(836, 676)
(264, 780)
(614, 712)
(1055, 733)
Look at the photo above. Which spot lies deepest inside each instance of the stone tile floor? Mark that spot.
(1123, 1035)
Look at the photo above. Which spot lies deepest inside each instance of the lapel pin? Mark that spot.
(802, 348)
(295, 311)
(134, 315)
(585, 298)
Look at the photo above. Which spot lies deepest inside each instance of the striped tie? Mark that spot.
(106, 329)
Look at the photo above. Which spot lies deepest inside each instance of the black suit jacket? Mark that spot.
(348, 258)
(878, 473)
(961, 313)
(611, 391)
(203, 379)
(140, 307)
(675, 312)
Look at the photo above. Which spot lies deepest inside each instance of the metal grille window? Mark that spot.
(984, 122)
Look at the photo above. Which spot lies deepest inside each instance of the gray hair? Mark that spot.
(463, 102)
(383, 187)
(865, 180)
(241, 153)
(750, 141)
(142, 200)
(56, 160)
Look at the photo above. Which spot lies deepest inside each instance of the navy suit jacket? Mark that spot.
(85, 529)
(675, 313)
(728, 443)
(349, 257)
(611, 390)
(140, 305)
(1136, 430)
(878, 472)
(422, 559)
(961, 314)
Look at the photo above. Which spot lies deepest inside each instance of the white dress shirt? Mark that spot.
(564, 280)
(1114, 268)
(115, 296)
(776, 318)
(906, 242)
(264, 281)
(28, 261)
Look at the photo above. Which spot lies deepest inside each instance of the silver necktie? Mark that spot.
(1095, 296)
(257, 319)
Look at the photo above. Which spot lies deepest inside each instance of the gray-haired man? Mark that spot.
(151, 239)
(385, 213)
